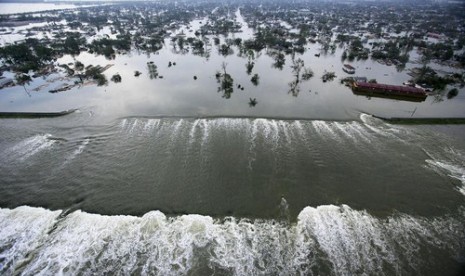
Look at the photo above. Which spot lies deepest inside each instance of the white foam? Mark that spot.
(360, 131)
(22, 231)
(253, 142)
(206, 132)
(124, 123)
(285, 128)
(449, 161)
(265, 126)
(346, 131)
(30, 146)
(81, 147)
(254, 130)
(176, 128)
(192, 131)
(299, 127)
(324, 129)
(453, 170)
(367, 120)
(350, 242)
(353, 240)
(151, 124)
(79, 150)
(134, 126)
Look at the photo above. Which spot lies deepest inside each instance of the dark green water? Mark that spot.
(230, 196)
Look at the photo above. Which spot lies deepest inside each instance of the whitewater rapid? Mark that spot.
(88, 165)
(329, 239)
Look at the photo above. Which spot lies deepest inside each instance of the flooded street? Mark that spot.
(167, 173)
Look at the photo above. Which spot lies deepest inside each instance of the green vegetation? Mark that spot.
(279, 60)
(116, 78)
(356, 50)
(252, 102)
(249, 66)
(27, 56)
(294, 85)
(22, 79)
(391, 52)
(78, 66)
(307, 74)
(282, 31)
(226, 82)
(95, 73)
(255, 79)
(452, 93)
(427, 77)
(152, 69)
(328, 76)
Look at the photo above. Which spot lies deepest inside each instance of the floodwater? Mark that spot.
(177, 93)
(14, 8)
(167, 177)
(231, 196)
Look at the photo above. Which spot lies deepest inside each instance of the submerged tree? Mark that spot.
(152, 68)
(279, 60)
(452, 93)
(78, 66)
(294, 88)
(23, 79)
(252, 102)
(116, 78)
(297, 66)
(249, 65)
(328, 76)
(307, 74)
(95, 73)
(226, 82)
(255, 79)
(225, 50)
(344, 56)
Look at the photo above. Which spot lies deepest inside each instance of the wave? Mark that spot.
(30, 146)
(331, 240)
(451, 162)
(273, 134)
(273, 131)
(80, 149)
(255, 139)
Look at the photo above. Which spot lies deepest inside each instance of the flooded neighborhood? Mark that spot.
(306, 50)
(214, 137)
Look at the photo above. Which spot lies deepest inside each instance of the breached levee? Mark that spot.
(326, 240)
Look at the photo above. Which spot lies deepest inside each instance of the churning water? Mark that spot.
(231, 196)
(325, 240)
